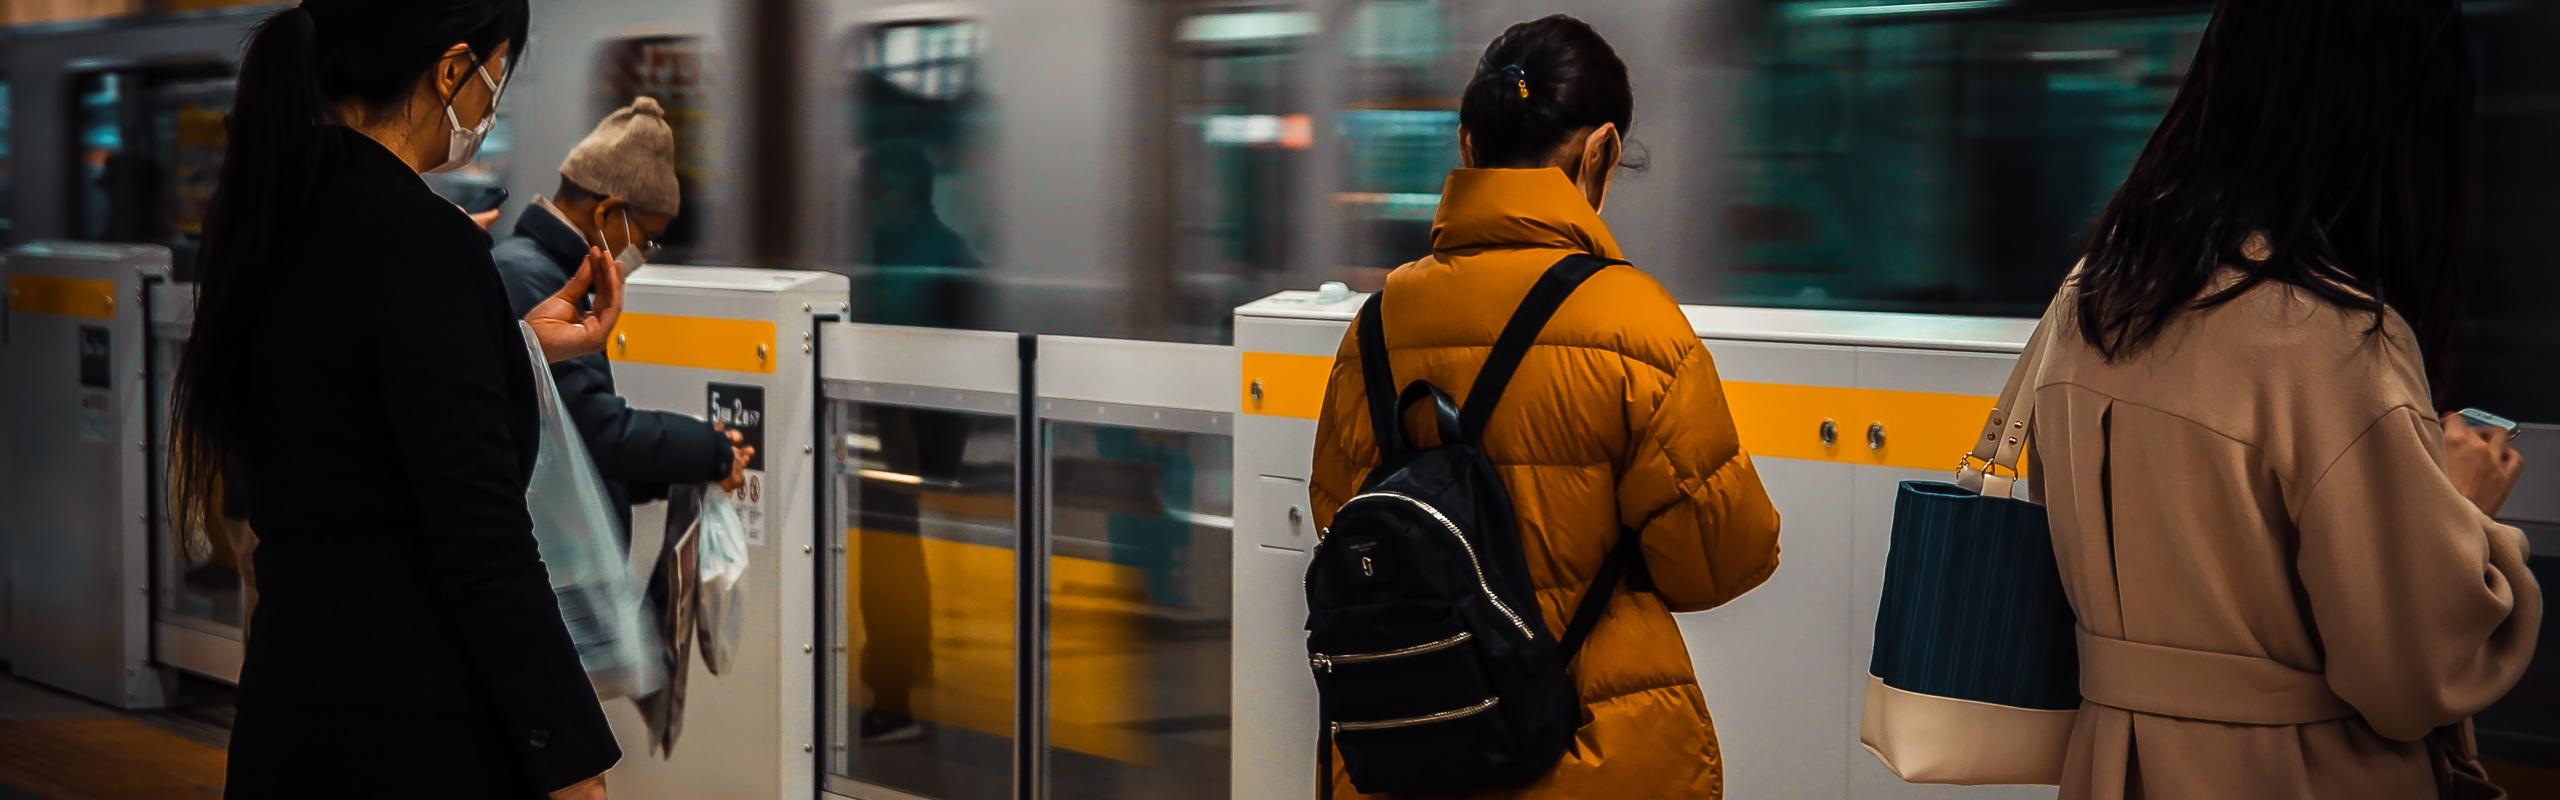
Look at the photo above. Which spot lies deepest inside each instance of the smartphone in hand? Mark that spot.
(2483, 419)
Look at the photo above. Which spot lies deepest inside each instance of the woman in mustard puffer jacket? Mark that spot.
(1615, 421)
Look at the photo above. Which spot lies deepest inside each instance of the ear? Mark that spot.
(451, 70)
(605, 211)
(1466, 148)
(1600, 152)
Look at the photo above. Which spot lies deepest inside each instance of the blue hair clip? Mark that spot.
(1519, 77)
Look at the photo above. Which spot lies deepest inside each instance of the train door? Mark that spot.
(1241, 146)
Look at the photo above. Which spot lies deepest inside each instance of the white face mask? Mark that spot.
(463, 144)
(633, 256)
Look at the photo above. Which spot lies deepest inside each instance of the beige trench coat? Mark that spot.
(2281, 594)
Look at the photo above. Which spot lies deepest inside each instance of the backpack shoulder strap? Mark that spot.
(1520, 333)
(1377, 378)
(1586, 615)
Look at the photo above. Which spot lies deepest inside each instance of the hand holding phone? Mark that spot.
(2481, 458)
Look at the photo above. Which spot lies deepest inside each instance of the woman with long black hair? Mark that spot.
(2283, 561)
(354, 358)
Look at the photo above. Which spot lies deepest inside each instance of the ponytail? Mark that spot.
(276, 142)
(300, 66)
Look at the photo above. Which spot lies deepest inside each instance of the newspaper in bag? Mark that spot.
(575, 527)
(722, 543)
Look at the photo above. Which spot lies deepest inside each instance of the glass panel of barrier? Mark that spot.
(199, 572)
(921, 612)
(1141, 534)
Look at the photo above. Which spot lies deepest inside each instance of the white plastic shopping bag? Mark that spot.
(574, 525)
(722, 541)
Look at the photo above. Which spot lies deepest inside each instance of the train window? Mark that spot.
(920, 161)
(188, 140)
(147, 140)
(671, 69)
(1948, 158)
(8, 202)
(1941, 162)
(1241, 141)
(1400, 131)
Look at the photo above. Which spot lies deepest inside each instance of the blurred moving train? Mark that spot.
(1138, 169)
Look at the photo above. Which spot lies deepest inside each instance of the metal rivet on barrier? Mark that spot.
(807, 549)
(804, 648)
(1257, 393)
(804, 308)
(761, 353)
(805, 748)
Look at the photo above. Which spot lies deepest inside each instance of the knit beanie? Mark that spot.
(631, 155)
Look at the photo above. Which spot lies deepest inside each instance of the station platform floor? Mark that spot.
(54, 746)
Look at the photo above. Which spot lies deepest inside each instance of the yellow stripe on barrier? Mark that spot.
(727, 345)
(1284, 384)
(1921, 430)
(68, 297)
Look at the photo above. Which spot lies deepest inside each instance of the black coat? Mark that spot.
(406, 643)
(637, 451)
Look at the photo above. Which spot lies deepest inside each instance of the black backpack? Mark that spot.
(1433, 666)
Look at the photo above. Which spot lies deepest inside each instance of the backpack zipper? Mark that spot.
(1426, 719)
(1461, 536)
(1324, 664)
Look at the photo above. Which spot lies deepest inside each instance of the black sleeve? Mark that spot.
(527, 284)
(637, 445)
(444, 344)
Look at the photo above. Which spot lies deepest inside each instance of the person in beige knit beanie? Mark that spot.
(618, 187)
(617, 191)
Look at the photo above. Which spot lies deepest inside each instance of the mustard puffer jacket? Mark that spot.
(1615, 421)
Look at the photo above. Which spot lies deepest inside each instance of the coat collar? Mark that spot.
(551, 234)
(1513, 209)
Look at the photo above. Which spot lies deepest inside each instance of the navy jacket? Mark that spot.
(407, 639)
(639, 452)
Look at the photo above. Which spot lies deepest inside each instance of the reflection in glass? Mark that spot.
(1141, 550)
(1243, 136)
(919, 155)
(670, 69)
(1400, 131)
(925, 502)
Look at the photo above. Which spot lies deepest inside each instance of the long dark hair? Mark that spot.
(1575, 82)
(300, 64)
(2339, 131)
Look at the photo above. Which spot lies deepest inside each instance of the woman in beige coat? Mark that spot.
(2283, 562)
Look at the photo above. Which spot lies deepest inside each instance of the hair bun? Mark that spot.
(647, 105)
